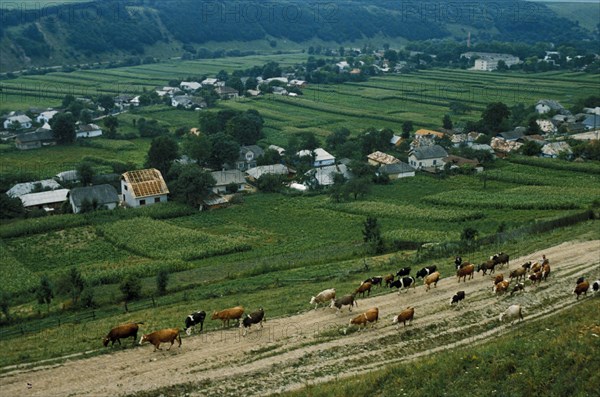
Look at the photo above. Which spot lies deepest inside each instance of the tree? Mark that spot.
(63, 126)
(533, 128)
(251, 83)
(162, 279)
(73, 284)
(469, 235)
(5, 304)
(447, 122)
(222, 75)
(308, 140)
(44, 292)
(111, 122)
(337, 191)
(235, 83)
(10, 207)
(107, 102)
(224, 150)
(269, 183)
(407, 128)
(337, 138)
(531, 148)
(86, 173)
(270, 156)
(197, 147)
(459, 107)
(163, 150)
(244, 129)
(372, 235)
(192, 184)
(131, 288)
(494, 115)
(358, 187)
(67, 101)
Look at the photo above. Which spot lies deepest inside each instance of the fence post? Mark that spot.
(153, 302)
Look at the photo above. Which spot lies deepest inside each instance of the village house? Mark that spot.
(20, 122)
(554, 149)
(49, 201)
(397, 170)
(427, 157)
(502, 146)
(209, 82)
(190, 85)
(248, 157)
(274, 169)
(46, 116)
(35, 140)
(298, 83)
(88, 131)
(547, 126)
(396, 140)
(225, 92)
(324, 176)
(458, 162)
(321, 157)
(379, 158)
(226, 178)
(279, 90)
(21, 189)
(278, 149)
(546, 105)
(70, 176)
(143, 187)
(100, 196)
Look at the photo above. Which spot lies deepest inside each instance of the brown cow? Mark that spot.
(518, 273)
(404, 316)
(498, 278)
(388, 279)
(370, 316)
(364, 287)
(433, 278)
(465, 271)
(163, 335)
(535, 277)
(545, 270)
(501, 287)
(121, 332)
(582, 288)
(234, 313)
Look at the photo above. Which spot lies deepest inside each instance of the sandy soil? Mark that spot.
(289, 353)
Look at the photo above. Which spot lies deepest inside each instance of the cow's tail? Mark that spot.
(139, 322)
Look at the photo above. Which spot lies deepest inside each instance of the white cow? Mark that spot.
(325, 296)
(512, 313)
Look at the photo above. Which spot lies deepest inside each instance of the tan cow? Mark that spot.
(162, 336)
(433, 278)
(234, 313)
(370, 316)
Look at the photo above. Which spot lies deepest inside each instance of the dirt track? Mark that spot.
(291, 352)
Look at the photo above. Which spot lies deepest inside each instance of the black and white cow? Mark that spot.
(426, 271)
(194, 319)
(252, 318)
(405, 271)
(403, 283)
(457, 262)
(460, 295)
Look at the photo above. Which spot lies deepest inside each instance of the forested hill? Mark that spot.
(97, 30)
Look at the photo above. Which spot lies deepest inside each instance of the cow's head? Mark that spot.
(143, 339)
(105, 341)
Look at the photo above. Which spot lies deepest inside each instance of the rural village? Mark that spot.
(200, 201)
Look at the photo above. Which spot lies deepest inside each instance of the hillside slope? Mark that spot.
(310, 347)
(103, 30)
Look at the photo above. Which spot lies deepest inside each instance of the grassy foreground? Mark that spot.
(556, 356)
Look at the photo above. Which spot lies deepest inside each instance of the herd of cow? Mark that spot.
(402, 280)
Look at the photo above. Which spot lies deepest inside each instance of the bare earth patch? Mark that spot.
(309, 348)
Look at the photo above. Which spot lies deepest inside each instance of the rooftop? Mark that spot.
(144, 183)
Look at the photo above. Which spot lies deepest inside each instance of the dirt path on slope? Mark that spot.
(291, 352)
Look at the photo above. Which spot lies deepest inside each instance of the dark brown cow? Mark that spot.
(121, 332)
(465, 271)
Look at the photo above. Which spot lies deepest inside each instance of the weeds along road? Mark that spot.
(310, 347)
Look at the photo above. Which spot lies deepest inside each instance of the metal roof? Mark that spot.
(25, 188)
(50, 197)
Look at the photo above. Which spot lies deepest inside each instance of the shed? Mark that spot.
(48, 201)
(397, 170)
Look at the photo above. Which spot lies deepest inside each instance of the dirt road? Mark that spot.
(311, 347)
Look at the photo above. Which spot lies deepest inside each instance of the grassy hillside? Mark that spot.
(115, 30)
(586, 13)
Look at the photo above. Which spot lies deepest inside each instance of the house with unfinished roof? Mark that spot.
(143, 187)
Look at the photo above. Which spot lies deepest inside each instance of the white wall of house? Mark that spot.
(131, 201)
(89, 134)
(424, 163)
